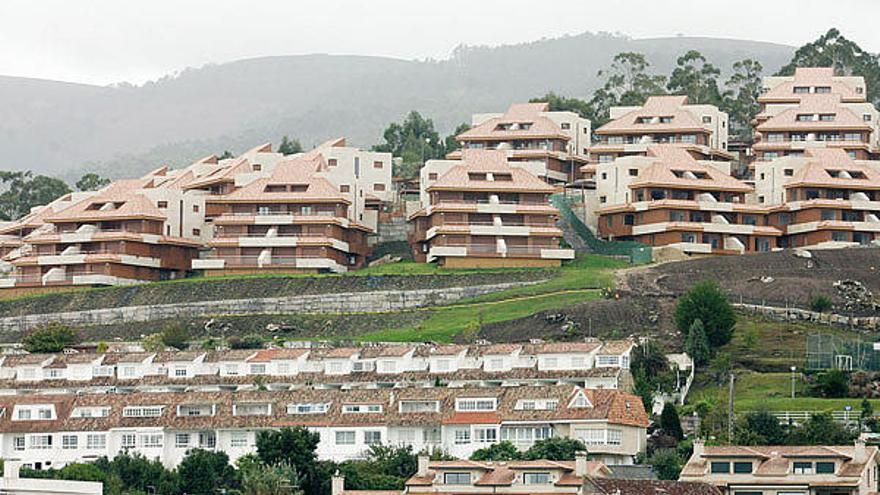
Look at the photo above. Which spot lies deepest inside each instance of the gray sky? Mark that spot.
(106, 41)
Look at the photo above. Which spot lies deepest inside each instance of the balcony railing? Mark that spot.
(253, 261)
(274, 213)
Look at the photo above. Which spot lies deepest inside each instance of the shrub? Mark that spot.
(555, 449)
(670, 423)
(176, 336)
(247, 342)
(705, 302)
(501, 451)
(832, 384)
(52, 337)
(820, 304)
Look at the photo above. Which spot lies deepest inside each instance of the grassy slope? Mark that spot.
(579, 281)
(762, 352)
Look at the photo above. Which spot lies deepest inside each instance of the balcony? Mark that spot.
(303, 261)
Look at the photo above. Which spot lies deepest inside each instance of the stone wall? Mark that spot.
(345, 302)
(392, 228)
(797, 314)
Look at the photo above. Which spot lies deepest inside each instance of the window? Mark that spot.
(592, 436)
(23, 415)
(720, 467)
(378, 187)
(344, 438)
(18, 443)
(607, 360)
(195, 208)
(44, 413)
(578, 362)
(536, 478)
(142, 411)
(128, 440)
(801, 90)
(151, 441)
(97, 441)
(239, 439)
(197, 232)
(432, 176)
(456, 478)
(331, 162)
(180, 372)
(419, 406)
(256, 167)
(69, 441)
(475, 404)
(258, 369)
(283, 368)
(40, 442)
(362, 408)
(551, 362)
(826, 117)
(565, 126)
(344, 188)
(308, 408)
(485, 435)
(255, 409)
(633, 172)
(824, 468)
(803, 468)
(372, 437)
(742, 467)
(162, 204)
(788, 172)
(378, 164)
(181, 440)
(805, 117)
(775, 137)
(707, 119)
(866, 117)
(606, 159)
(462, 436)
(614, 437)
(823, 89)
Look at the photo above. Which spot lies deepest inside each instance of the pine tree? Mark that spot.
(697, 344)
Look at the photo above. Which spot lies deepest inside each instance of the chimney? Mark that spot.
(423, 465)
(10, 469)
(580, 463)
(337, 484)
(860, 454)
(699, 445)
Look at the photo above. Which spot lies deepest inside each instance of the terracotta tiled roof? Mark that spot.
(517, 114)
(810, 76)
(672, 160)
(561, 347)
(616, 347)
(386, 351)
(469, 418)
(484, 162)
(819, 161)
(297, 170)
(845, 118)
(611, 486)
(266, 355)
(129, 203)
(656, 106)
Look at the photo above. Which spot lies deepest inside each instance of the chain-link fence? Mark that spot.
(827, 351)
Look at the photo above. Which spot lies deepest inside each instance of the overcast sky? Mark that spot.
(107, 41)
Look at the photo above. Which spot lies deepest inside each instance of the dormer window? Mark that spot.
(805, 117)
(823, 89)
(720, 468)
(476, 176)
(827, 117)
(742, 467)
(801, 90)
(666, 119)
(824, 467)
(503, 177)
(457, 478)
(252, 409)
(802, 468)
(162, 204)
(580, 401)
(536, 478)
(472, 405)
(707, 119)
(644, 120)
(361, 408)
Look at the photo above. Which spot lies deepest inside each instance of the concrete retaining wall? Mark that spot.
(796, 314)
(346, 302)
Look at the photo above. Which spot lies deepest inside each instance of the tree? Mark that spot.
(820, 304)
(760, 428)
(555, 449)
(383, 468)
(153, 343)
(705, 302)
(450, 143)
(414, 141)
(741, 97)
(866, 416)
(51, 337)
(667, 463)
(23, 191)
(91, 182)
(203, 472)
(501, 451)
(820, 429)
(175, 335)
(627, 82)
(833, 384)
(135, 473)
(697, 344)
(280, 479)
(252, 341)
(295, 447)
(670, 423)
(847, 58)
(696, 78)
(290, 146)
(559, 103)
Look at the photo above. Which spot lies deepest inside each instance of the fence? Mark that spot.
(636, 252)
(825, 351)
(799, 417)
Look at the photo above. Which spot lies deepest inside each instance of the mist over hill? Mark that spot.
(65, 129)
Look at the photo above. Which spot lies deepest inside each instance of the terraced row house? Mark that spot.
(258, 211)
(49, 431)
(591, 364)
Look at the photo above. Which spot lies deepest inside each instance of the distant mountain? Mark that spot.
(63, 129)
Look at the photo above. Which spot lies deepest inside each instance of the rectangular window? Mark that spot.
(197, 232)
(720, 467)
(432, 176)
(565, 126)
(344, 438)
(40, 442)
(308, 408)
(162, 204)
(378, 187)
(96, 441)
(475, 405)
(372, 437)
(362, 408)
(414, 406)
(536, 478)
(344, 188)
(195, 208)
(614, 437)
(803, 468)
(129, 440)
(456, 478)
(151, 441)
(707, 119)
(485, 435)
(69, 441)
(256, 167)
(239, 439)
(180, 372)
(742, 467)
(142, 411)
(18, 443)
(331, 162)
(258, 369)
(181, 440)
(824, 468)
(378, 164)
(462, 436)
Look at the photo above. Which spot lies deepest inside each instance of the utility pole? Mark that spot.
(730, 415)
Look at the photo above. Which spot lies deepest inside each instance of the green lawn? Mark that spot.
(445, 323)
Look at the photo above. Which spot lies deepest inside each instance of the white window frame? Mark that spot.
(345, 437)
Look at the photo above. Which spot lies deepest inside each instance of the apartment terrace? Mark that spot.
(291, 220)
(484, 211)
(699, 129)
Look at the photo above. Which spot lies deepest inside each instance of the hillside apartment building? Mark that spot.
(51, 430)
(550, 145)
(485, 211)
(795, 470)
